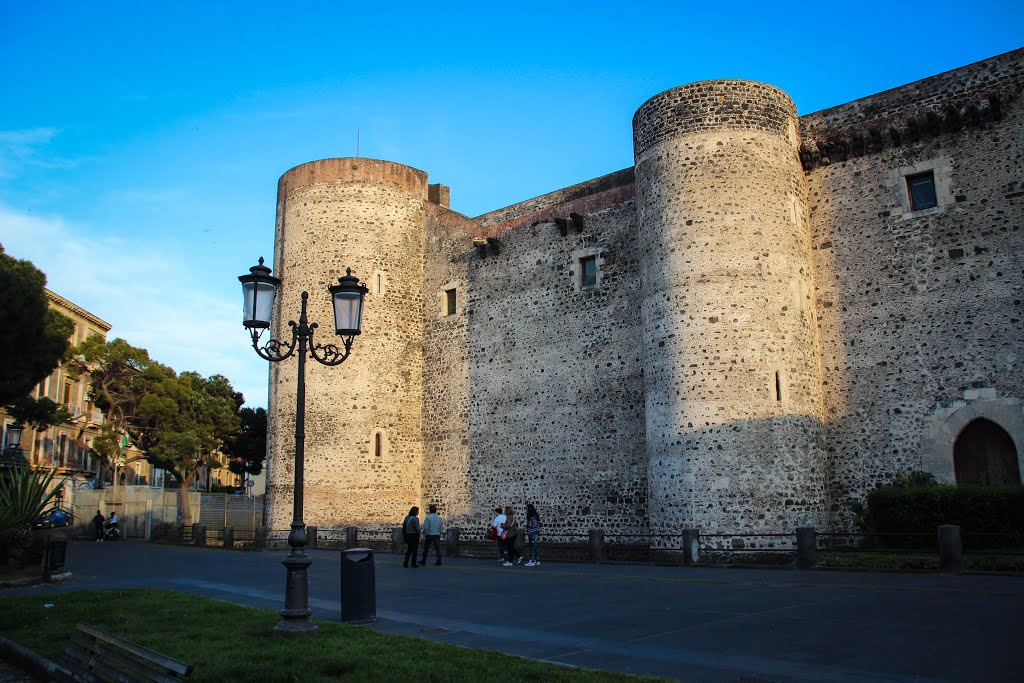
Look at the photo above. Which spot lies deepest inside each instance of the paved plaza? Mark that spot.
(694, 624)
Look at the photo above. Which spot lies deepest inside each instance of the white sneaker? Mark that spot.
(530, 563)
(506, 564)
(537, 563)
(520, 560)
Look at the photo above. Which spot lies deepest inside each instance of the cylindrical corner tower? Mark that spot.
(363, 432)
(732, 379)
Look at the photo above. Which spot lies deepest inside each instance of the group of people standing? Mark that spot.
(433, 527)
(510, 536)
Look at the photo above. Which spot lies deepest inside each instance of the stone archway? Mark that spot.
(939, 440)
(984, 454)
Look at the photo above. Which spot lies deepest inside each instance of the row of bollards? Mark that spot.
(950, 543)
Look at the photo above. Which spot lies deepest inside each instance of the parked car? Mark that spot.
(53, 518)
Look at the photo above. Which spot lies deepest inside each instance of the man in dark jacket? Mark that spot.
(97, 522)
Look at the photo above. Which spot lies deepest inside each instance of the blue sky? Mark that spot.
(141, 143)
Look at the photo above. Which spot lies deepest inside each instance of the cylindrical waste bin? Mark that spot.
(358, 585)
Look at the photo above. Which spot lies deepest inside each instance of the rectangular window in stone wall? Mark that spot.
(449, 299)
(588, 271)
(921, 188)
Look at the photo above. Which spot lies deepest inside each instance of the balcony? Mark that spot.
(12, 457)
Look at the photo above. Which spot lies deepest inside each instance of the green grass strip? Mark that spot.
(226, 642)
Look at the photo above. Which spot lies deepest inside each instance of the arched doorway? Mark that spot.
(984, 454)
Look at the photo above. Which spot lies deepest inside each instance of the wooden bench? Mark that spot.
(95, 655)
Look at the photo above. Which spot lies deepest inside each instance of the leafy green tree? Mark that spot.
(34, 338)
(248, 448)
(187, 420)
(119, 376)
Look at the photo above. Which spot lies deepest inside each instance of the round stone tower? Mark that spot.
(732, 378)
(363, 434)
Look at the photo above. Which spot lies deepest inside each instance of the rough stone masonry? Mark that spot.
(745, 332)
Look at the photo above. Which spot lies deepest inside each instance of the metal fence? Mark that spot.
(143, 510)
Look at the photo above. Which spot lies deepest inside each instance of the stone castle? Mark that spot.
(763, 319)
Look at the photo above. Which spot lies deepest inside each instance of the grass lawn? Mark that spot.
(225, 642)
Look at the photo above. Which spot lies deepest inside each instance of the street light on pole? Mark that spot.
(258, 291)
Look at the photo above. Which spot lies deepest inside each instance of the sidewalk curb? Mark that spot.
(31, 663)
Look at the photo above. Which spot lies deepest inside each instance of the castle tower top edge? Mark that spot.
(706, 106)
(353, 169)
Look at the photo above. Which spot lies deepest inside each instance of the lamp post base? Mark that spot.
(295, 617)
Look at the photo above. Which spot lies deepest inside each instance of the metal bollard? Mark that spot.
(229, 537)
(260, 539)
(351, 537)
(691, 546)
(806, 547)
(396, 541)
(951, 548)
(452, 545)
(311, 532)
(596, 545)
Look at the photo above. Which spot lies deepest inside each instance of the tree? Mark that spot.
(248, 448)
(34, 338)
(120, 376)
(187, 420)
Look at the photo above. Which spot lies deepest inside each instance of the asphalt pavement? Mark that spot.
(693, 624)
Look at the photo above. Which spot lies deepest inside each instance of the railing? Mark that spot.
(14, 457)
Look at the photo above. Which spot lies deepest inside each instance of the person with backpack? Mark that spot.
(411, 531)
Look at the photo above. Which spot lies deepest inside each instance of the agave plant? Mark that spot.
(24, 494)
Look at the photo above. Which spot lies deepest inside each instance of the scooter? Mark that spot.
(110, 532)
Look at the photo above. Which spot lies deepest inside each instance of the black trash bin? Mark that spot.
(358, 585)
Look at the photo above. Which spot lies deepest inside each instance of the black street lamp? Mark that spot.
(258, 291)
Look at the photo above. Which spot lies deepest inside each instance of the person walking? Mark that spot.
(433, 527)
(411, 531)
(533, 533)
(97, 522)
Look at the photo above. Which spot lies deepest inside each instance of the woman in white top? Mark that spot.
(496, 524)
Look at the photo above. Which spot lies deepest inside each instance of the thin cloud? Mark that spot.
(143, 293)
(19, 148)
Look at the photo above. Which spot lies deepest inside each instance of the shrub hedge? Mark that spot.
(975, 509)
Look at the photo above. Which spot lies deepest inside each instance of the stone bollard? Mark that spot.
(311, 532)
(396, 541)
(806, 547)
(691, 546)
(199, 535)
(951, 548)
(229, 537)
(259, 541)
(351, 537)
(179, 533)
(452, 545)
(596, 545)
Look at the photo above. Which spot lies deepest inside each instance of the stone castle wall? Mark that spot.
(368, 215)
(773, 331)
(731, 371)
(920, 312)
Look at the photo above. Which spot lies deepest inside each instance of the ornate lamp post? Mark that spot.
(258, 291)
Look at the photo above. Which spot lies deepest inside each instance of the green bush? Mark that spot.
(975, 509)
